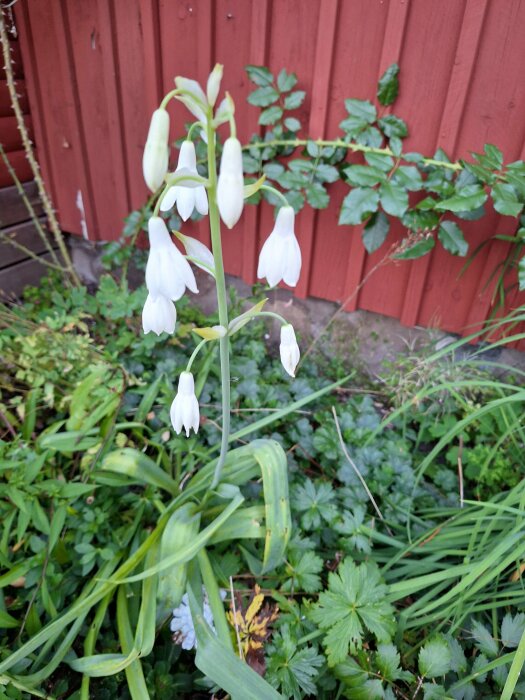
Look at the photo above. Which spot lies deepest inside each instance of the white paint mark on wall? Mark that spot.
(80, 206)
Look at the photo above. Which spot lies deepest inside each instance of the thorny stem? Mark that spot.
(339, 143)
(28, 148)
(224, 343)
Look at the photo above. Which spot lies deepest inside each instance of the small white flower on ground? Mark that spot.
(156, 150)
(184, 412)
(289, 349)
(168, 273)
(200, 254)
(280, 257)
(187, 198)
(182, 623)
(159, 315)
(230, 186)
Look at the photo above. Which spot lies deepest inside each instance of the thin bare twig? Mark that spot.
(359, 475)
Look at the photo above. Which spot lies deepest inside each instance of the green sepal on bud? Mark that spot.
(239, 321)
(211, 332)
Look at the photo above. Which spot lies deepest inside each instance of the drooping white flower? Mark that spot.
(289, 349)
(156, 151)
(159, 315)
(280, 257)
(182, 623)
(214, 84)
(230, 186)
(188, 198)
(200, 254)
(168, 273)
(184, 410)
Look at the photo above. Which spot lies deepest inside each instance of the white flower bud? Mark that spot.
(156, 151)
(188, 197)
(230, 187)
(184, 410)
(202, 256)
(168, 273)
(280, 257)
(193, 98)
(214, 84)
(159, 315)
(289, 349)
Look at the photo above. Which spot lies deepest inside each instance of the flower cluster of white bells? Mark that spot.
(168, 271)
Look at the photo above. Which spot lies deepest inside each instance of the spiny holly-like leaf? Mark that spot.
(452, 239)
(435, 658)
(388, 86)
(358, 204)
(354, 602)
(375, 231)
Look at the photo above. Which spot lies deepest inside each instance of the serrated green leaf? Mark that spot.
(394, 199)
(388, 661)
(452, 239)
(396, 145)
(431, 691)
(468, 199)
(363, 109)
(375, 231)
(364, 175)
(380, 160)
(393, 126)
(484, 640)
(294, 99)
(388, 85)
(273, 170)
(286, 81)
(408, 176)
(259, 75)
(417, 250)
(263, 96)
(358, 204)
(352, 126)
(481, 173)
(370, 136)
(435, 658)
(512, 629)
(505, 199)
(316, 196)
(292, 124)
(270, 115)
(326, 173)
(493, 156)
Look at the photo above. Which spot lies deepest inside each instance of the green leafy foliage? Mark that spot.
(353, 604)
(388, 86)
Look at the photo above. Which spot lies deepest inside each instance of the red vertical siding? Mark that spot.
(96, 71)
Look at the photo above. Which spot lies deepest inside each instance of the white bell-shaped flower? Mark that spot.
(184, 412)
(159, 315)
(230, 186)
(188, 198)
(156, 151)
(289, 349)
(198, 252)
(280, 257)
(168, 273)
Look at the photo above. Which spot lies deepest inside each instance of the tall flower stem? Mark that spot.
(224, 343)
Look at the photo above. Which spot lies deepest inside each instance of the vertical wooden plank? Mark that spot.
(391, 53)
(259, 37)
(151, 51)
(324, 51)
(465, 58)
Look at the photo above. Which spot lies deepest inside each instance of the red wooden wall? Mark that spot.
(97, 69)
